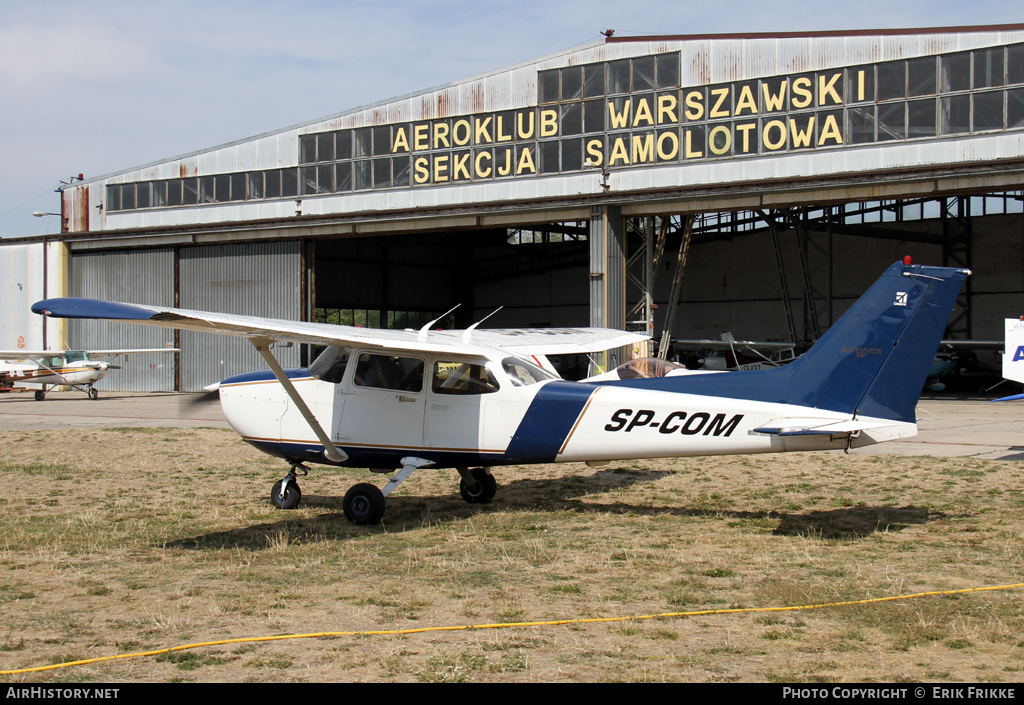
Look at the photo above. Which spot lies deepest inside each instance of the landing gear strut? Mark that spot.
(285, 494)
(364, 503)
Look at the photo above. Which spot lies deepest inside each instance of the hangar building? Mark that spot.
(682, 185)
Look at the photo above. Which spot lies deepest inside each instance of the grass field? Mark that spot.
(128, 540)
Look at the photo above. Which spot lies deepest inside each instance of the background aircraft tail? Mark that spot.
(872, 362)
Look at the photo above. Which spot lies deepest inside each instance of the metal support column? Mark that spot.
(607, 276)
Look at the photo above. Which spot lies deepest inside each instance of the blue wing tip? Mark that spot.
(71, 307)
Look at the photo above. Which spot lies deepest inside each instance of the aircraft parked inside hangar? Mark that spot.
(73, 368)
(474, 399)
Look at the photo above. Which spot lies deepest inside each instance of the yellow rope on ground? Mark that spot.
(593, 620)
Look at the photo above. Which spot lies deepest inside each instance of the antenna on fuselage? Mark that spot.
(468, 331)
(423, 331)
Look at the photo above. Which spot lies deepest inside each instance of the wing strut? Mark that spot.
(262, 346)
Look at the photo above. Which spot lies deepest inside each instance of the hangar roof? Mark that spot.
(654, 123)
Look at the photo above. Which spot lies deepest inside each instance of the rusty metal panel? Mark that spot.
(256, 279)
(131, 276)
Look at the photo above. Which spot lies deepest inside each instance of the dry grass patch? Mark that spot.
(127, 540)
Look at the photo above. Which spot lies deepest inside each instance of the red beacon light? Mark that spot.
(906, 260)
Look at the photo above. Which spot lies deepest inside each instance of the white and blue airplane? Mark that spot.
(477, 399)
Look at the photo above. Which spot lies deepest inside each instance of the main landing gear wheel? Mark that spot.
(291, 496)
(40, 395)
(481, 490)
(363, 504)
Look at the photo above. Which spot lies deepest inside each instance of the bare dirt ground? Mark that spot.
(127, 539)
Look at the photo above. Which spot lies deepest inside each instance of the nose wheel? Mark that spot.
(285, 494)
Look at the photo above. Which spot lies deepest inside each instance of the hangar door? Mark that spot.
(131, 276)
(254, 279)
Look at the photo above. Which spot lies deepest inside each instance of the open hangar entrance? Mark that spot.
(770, 274)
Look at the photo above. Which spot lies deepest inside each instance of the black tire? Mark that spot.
(363, 504)
(482, 491)
(94, 394)
(292, 495)
(40, 395)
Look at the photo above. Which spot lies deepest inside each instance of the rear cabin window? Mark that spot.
(401, 374)
(523, 373)
(462, 378)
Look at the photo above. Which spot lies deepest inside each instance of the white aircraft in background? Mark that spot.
(474, 400)
(73, 368)
(739, 354)
(1013, 353)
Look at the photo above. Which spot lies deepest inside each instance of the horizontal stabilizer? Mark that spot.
(817, 427)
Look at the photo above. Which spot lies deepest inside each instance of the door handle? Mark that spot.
(401, 398)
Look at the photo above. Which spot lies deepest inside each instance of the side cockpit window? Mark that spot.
(523, 373)
(462, 378)
(330, 365)
(395, 372)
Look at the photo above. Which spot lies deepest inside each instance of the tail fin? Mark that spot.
(873, 361)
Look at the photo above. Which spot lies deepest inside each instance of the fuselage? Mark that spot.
(470, 412)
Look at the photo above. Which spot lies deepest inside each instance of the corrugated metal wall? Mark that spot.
(258, 279)
(136, 276)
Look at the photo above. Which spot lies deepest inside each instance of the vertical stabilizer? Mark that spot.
(873, 361)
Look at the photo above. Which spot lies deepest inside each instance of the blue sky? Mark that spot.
(102, 86)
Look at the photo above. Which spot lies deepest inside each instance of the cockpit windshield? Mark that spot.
(330, 365)
(76, 356)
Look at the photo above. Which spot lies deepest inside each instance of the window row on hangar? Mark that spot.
(628, 112)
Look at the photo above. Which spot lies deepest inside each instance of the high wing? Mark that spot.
(536, 341)
(32, 354)
(28, 354)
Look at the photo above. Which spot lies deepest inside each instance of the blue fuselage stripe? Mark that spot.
(548, 422)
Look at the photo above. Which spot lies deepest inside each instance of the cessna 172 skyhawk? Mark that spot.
(73, 368)
(402, 400)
